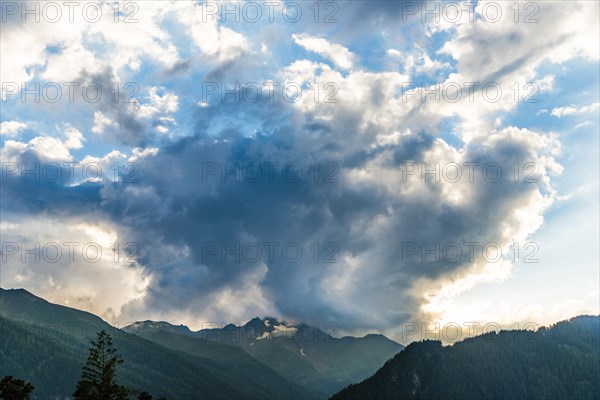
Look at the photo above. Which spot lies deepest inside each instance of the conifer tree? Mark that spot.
(15, 389)
(99, 372)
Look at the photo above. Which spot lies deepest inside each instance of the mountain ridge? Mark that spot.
(297, 351)
(269, 358)
(556, 362)
(133, 326)
(47, 344)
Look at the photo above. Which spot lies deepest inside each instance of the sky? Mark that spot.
(371, 165)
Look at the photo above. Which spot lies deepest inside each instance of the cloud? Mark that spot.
(518, 51)
(132, 116)
(584, 124)
(11, 128)
(100, 122)
(74, 138)
(526, 316)
(418, 62)
(175, 211)
(338, 54)
(572, 110)
(199, 219)
(217, 42)
(71, 261)
(47, 148)
(60, 51)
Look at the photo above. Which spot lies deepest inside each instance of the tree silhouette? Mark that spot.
(15, 389)
(98, 377)
(144, 396)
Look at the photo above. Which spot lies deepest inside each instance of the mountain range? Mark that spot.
(559, 362)
(300, 353)
(47, 344)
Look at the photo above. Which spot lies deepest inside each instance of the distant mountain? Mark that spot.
(161, 325)
(300, 353)
(560, 362)
(47, 344)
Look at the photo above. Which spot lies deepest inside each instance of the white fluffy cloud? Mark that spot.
(338, 54)
(216, 41)
(81, 45)
(508, 53)
(11, 128)
(47, 148)
(572, 110)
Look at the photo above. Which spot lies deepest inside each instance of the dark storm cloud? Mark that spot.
(35, 185)
(181, 205)
(118, 101)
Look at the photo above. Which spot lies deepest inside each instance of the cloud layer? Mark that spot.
(357, 203)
